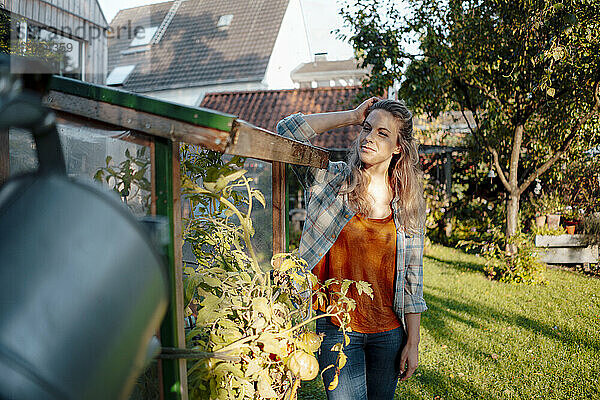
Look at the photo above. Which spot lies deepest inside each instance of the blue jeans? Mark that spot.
(372, 368)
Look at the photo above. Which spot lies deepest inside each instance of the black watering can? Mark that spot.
(82, 286)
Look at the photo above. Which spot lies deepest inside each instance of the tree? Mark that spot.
(528, 71)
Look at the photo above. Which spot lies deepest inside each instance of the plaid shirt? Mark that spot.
(327, 212)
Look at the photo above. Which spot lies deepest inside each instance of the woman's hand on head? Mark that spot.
(362, 110)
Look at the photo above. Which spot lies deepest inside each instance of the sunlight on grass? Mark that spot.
(490, 340)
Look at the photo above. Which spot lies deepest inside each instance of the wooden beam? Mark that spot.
(4, 156)
(177, 260)
(279, 216)
(251, 141)
(130, 118)
(560, 241)
(192, 115)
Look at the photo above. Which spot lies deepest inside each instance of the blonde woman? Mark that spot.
(365, 221)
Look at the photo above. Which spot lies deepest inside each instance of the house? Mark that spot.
(179, 50)
(77, 29)
(323, 72)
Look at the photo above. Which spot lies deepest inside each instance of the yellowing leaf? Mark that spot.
(342, 360)
(254, 367)
(333, 383)
(345, 286)
(337, 347)
(223, 369)
(211, 281)
(287, 264)
(234, 176)
(259, 196)
(273, 345)
(362, 286)
(346, 339)
(264, 386)
(261, 305)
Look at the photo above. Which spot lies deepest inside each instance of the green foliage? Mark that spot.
(591, 228)
(128, 178)
(527, 71)
(544, 230)
(474, 210)
(251, 321)
(522, 267)
(546, 203)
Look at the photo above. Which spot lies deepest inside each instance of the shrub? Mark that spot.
(591, 228)
(522, 267)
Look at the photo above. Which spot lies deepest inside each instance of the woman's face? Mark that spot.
(379, 139)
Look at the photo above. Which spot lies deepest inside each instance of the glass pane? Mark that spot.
(23, 157)
(198, 162)
(105, 156)
(262, 217)
(119, 160)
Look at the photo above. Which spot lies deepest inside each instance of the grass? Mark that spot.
(487, 340)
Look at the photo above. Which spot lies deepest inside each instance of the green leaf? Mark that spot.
(99, 175)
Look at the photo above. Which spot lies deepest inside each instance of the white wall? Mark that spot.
(193, 96)
(291, 49)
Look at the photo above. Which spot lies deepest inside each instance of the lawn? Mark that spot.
(488, 340)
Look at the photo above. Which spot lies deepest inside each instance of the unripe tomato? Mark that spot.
(303, 365)
(311, 341)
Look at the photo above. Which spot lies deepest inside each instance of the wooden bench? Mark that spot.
(565, 249)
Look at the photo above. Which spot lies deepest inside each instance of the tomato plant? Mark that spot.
(252, 319)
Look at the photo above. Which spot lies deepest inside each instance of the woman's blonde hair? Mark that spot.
(405, 175)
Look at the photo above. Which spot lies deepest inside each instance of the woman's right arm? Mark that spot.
(304, 127)
(324, 122)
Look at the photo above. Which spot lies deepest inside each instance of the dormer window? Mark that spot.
(119, 75)
(224, 21)
(143, 36)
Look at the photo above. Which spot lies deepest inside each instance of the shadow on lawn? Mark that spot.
(433, 321)
(439, 384)
(457, 264)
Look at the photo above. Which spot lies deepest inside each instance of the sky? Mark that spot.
(321, 17)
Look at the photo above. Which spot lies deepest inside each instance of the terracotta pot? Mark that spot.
(540, 221)
(553, 221)
(570, 229)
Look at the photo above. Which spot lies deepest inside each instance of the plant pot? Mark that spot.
(570, 229)
(540, 221)
(553, 221)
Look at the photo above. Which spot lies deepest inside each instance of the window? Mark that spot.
(144, 37)
(119, 75)
(62, 53)
(224, 21)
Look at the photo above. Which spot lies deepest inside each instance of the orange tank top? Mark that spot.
(365, 250)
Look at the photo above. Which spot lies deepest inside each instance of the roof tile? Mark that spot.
(193, 51)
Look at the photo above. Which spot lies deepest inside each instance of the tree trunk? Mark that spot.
(512, 219)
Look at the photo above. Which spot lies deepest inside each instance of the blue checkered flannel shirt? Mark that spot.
(327, 212)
